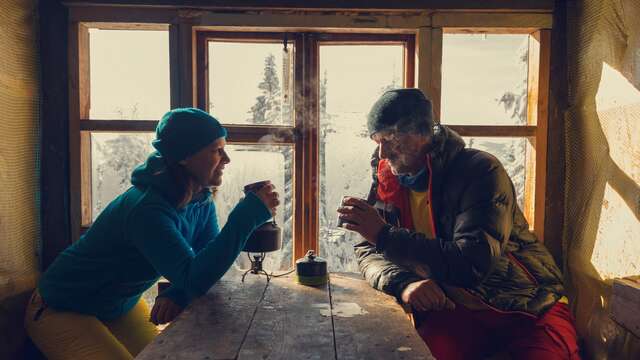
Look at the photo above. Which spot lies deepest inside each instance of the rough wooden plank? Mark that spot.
(492, 20)
(436, 72)
(86, 207)
(543, 40)
(423, 61)
(314, 20)
(292, 322)
(371, 325)
(214, 325)
(504, 5)
(625, 303)
(494, 130)
(558, 100)
(76, 61)
(299, 224)
(54, 120)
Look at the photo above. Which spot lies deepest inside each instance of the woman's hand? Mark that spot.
(362, 218)
(269, 197)
(164, 311)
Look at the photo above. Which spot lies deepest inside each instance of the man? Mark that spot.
(446, 237)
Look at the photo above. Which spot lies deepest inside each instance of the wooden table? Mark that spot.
(345, 319)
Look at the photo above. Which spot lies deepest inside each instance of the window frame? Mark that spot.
(426, 28)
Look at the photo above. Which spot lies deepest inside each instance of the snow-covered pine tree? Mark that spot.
(267, 109)
(515, 102)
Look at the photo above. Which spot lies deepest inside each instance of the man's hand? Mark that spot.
(426, 295)
(362, 218)
(164, 311)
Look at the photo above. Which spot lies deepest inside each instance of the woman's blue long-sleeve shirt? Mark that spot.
(141, 236)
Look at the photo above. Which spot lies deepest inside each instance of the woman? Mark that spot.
(88, 303)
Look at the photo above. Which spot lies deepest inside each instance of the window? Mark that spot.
(250, 81)
(251, 163)
(123, 89)
(295, 101)
(352, 77)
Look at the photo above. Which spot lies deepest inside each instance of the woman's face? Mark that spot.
(206, 165)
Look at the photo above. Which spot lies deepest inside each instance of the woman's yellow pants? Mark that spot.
(68, 335)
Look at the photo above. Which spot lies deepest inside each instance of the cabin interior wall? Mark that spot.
(602, 166)
(19, 166)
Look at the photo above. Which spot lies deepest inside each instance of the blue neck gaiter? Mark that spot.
(417, 182)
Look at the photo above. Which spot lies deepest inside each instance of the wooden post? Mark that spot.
(436, 72)
(537, 114)
(54, 118)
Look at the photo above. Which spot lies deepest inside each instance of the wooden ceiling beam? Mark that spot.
(337, 5)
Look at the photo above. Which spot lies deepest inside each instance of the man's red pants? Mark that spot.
(466, 334)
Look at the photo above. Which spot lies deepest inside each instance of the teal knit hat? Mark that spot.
(183, 132)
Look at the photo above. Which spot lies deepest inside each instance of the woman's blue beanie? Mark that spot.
(183, 132)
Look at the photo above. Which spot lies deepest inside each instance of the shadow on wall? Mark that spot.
(602, 191)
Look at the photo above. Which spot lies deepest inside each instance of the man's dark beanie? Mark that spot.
(402, 110)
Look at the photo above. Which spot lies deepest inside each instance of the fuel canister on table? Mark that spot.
(311, 270)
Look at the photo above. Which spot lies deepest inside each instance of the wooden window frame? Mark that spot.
(81, 126)
(427, 27)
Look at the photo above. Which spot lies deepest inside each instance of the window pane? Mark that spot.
(129, 72)
(356, 75)
(251, 83)
(512, 154)
(251, 163)
(484, 79)
(113, 158)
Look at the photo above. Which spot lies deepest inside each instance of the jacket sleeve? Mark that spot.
(381, 273)
(155, 234)
(177, 295)
(482, 226)
(209, 232)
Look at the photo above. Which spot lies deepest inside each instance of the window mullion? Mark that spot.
(436, 71)
(310, 146)
(495, 130)
(538, 113)
(79, 141)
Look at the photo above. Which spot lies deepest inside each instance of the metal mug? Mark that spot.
(268, 236)
(253, 187)
(341, 222)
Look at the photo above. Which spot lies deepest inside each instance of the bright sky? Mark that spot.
(356, 73)
(235, 70)
(129, 69)
(476, 71)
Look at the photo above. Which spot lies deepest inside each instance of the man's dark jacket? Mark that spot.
(482, 246)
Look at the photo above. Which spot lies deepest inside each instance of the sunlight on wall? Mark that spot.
(617, 249)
